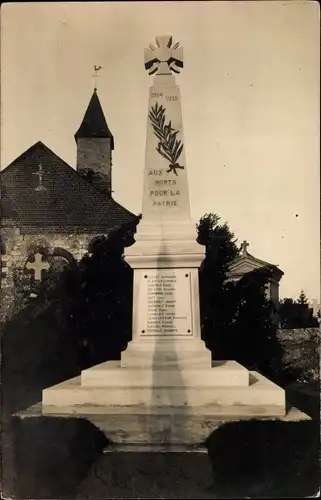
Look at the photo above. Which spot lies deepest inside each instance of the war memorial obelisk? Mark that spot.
(166, 256)
(166, 380)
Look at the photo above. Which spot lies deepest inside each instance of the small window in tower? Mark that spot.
(88, 175)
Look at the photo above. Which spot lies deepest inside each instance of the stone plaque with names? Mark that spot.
(167, 293)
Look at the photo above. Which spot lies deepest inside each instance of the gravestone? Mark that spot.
(165, 390)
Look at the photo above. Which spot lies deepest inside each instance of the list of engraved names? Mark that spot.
(168, 303)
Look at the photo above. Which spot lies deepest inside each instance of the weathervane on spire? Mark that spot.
(164, 58)
(96, 69)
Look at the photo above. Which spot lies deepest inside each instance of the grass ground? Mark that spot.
(63, 458)
(247, 459)
(264, 458)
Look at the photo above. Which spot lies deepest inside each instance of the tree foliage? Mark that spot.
(236, 316)
(302, 298)
(104, 307)
(297, 313)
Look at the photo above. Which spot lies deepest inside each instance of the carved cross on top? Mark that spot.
(37, 266)
(39, 173)
(244, 246)
(164, 58)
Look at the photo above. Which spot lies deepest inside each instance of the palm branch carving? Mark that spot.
(168, 146)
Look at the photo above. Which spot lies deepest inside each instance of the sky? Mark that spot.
(250, 104)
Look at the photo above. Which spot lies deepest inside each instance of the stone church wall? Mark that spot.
(17, 247)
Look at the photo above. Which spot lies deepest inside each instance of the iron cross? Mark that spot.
(164, 58)
(39, 173)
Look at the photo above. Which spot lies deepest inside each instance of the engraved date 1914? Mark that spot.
(167, 97)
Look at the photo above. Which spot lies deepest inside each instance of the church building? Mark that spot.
(50, 210)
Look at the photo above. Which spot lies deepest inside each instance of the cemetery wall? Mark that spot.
(288, 336)
(302, 352)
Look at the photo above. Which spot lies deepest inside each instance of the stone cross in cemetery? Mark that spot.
(38, 266)
(244, 246)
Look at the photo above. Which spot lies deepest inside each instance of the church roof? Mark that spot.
(65, 203)
(94, 123)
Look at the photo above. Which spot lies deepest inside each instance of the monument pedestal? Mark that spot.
(165, 391)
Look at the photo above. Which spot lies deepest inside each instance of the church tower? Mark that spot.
(95, 144)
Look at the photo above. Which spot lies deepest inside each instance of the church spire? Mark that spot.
(95, 144)
(94, 123)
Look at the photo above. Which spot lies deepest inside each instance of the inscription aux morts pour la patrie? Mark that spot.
(165, 190)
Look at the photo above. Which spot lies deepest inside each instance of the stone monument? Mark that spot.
(165, 390)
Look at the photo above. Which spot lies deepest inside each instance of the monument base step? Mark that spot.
(260, 394)
(160, 429)
(222, 374)
(167, 353)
